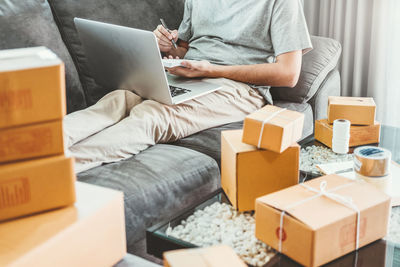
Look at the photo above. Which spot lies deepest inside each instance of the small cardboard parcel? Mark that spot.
(273, 128)
(323, 219)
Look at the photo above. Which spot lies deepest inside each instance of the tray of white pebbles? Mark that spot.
(220, 223)
(311, 156)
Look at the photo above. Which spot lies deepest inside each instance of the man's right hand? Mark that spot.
(164, 38)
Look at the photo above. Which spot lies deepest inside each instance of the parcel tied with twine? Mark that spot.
(323, 219)
(273, 128)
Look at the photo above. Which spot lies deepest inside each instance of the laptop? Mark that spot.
(128, 58)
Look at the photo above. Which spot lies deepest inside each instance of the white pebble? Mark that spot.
(222, 224)
(311, 156)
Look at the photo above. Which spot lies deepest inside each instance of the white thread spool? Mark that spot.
(341, 136)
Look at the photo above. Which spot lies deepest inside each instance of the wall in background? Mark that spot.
(369, 31)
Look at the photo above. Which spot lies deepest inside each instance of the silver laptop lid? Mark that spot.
(124, 58)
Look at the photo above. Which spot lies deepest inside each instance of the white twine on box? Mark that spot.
(264, 122)
(344, 200)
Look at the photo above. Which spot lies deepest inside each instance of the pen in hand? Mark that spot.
(166, 27)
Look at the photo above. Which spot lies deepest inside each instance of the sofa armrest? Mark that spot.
(329, 87)
(317, 64)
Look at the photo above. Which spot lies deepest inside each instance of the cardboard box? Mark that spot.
(359, 134)
(90, 233)
(358, 110)
(36, 140)
(216, 256)
(281, 128)
(31, 186)
(248, 172)
(32, 86)
(317, 229)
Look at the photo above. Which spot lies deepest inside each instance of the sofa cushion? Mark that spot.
(156, 183)
(131, 13)
(316, 65)
(30, 23)
(209, 141)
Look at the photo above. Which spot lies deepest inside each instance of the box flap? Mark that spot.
(216, 256)
(321, 211)
(234, 139)
(26, 58)
(10, 167)
(282, 119)
(351, 101)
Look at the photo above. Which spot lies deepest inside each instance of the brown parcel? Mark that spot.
(36, 140)
(89, 233)
(358, 110)
(32, 86)
(280, 131)
(359, 134)
(248, 172)
(320, 229)
(217, 256)
(31, 186)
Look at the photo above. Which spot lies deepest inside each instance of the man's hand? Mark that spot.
(193, 69)
(284, 72)
(164, 38)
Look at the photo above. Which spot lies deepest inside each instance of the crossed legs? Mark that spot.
(121, 124)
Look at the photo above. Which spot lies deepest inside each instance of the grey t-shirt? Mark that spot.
(243, 32)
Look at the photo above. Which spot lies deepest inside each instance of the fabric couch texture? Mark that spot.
(166, 177)
(329, 87)
(131, 13)
(156, 183)
(316, 66)
(30, 23)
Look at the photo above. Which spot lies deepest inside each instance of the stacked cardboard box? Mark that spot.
(321, 220)
(89, 233)
(360, 111)
(34, 174)
(263, 158)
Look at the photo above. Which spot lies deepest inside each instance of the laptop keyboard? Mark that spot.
(175, 91)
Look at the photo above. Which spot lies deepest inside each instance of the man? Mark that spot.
(245, 46)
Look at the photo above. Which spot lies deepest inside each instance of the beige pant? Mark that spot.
(121, 124)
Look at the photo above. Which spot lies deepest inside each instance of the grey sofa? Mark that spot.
(165, 177)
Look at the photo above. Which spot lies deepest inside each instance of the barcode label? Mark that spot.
(14, 192)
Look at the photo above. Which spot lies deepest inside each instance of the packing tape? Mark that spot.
(372, 161)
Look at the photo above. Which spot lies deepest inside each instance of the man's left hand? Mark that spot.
(192, 69)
